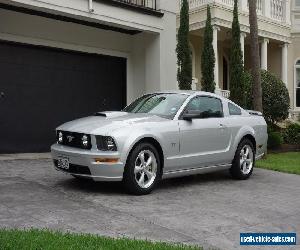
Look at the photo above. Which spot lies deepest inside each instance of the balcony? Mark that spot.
(149, 4)
(277, 10)
(145, 6)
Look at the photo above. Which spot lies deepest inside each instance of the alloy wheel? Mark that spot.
(145, 169)
(246, 159)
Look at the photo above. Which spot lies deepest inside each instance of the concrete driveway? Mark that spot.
(208, 210)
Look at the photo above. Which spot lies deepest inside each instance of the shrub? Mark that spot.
(276, 99)
(291, 134)
(275, 140)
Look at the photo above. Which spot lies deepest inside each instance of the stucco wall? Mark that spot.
(274, 59)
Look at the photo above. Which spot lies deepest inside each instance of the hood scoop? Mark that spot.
(110, 114)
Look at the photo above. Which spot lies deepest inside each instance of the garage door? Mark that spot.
(41, 88)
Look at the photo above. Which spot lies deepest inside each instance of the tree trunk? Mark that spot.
(255, 59)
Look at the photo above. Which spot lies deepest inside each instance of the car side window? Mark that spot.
(234, 110)
(206, 106)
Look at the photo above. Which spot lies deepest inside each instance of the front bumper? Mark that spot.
(83, 164)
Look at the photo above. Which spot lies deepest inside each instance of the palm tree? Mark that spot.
(255, 64)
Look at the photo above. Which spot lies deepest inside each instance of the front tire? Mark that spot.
(142, 170)
(244, 160)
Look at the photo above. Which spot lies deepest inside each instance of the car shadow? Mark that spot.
(117, 188)
(192, 180)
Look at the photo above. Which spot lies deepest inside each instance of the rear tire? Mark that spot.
(244, 160)
(142, 170)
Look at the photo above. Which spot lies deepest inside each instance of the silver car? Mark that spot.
(162, 135)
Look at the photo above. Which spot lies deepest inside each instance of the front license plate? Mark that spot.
(63, 163)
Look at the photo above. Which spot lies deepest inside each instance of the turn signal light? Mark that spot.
(106, 160)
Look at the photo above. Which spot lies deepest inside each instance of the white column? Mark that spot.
(242, 39)
(215, 46)
(284, 63)
(264, 54)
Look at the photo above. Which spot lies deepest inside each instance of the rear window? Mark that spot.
(234, 110)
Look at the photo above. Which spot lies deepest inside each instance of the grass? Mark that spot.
(44, 239)
(282, 162)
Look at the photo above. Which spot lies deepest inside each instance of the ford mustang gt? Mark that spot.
(162, 135)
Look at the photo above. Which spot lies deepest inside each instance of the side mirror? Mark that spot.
(190, 116)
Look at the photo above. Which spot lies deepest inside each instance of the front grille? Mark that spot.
(73, 139)
(75, 169)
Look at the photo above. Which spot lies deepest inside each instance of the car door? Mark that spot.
(205, 140)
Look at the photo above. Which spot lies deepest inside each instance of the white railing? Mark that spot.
(197, 3)
(227, 2)
(277, 9)
(259, 7)
(225, 93)
(274, 9)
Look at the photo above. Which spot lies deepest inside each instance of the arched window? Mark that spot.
(297, 84)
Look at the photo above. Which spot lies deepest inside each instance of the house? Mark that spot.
(61, 60)
(279, 35)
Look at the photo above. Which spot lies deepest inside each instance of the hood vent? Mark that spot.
(100, 114)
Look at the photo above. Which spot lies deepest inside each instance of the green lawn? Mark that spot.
(282, 162)
(44, 240)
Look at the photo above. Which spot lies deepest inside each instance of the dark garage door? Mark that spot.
(41, 88)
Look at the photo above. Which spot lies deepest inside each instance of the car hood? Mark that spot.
(105, 122)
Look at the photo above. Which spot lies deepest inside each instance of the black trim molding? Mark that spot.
(62, 18)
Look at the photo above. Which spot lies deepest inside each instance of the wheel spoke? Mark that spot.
(247, 152)
(142, 158)
(137, 169)
(245, 167)
(241, 163)
(142, 180)
(149, 174)
(149, 161)
(249, 161)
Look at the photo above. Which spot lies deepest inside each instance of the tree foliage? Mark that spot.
(275, 97)
(184, 58)
(237, 87)
(208, 57)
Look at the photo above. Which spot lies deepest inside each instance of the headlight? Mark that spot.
(106, 143)
(60, 137)
(85, 141)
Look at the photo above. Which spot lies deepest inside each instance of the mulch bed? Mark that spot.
(284, 148)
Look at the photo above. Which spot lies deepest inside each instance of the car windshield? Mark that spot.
(164, 105)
